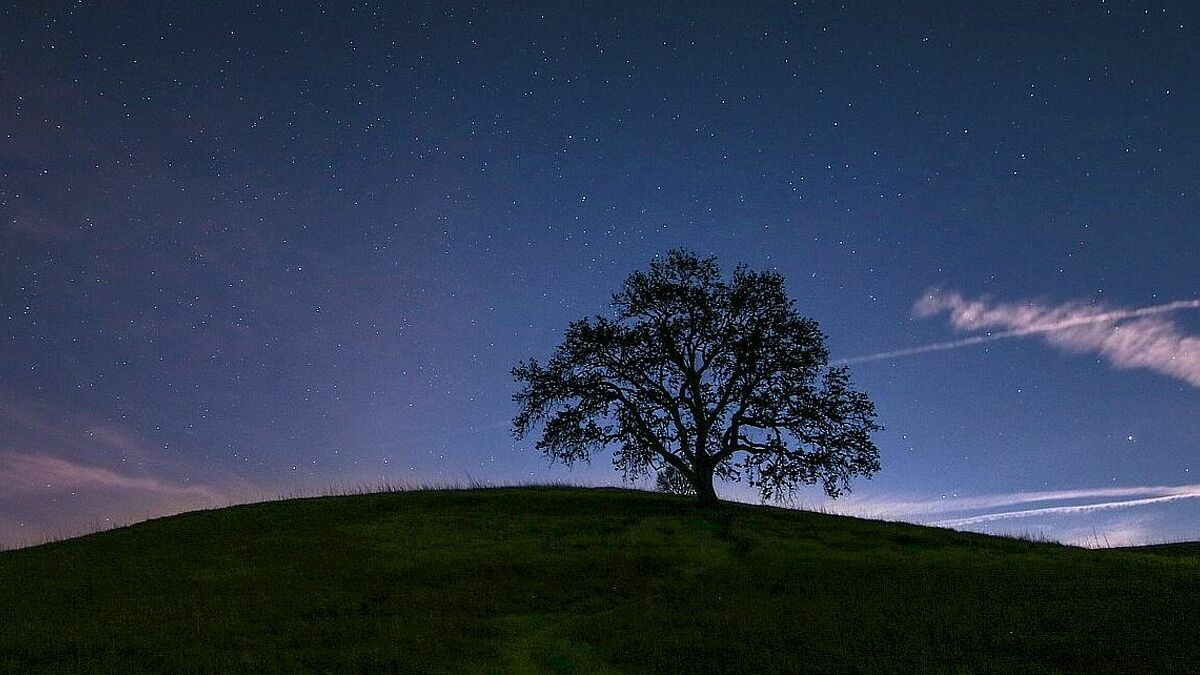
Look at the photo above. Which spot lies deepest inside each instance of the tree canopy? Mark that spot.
(704, 377)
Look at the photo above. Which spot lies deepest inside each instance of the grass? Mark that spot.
(582, 580)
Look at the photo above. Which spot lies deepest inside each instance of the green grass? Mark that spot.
(582, 580)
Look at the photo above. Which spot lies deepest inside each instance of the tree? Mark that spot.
(671, 481)
(705, 377)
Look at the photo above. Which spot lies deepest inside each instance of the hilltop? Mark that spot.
(582, 580)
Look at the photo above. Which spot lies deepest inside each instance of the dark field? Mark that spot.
(582, 580)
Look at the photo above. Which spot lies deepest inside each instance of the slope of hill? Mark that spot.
(581, 580)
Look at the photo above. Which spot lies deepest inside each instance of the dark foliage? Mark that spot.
(706, 377)
(671, 481)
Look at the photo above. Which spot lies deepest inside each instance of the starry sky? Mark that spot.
(260, 249)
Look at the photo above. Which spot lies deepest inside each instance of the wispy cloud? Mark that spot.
(1126, 338)
(1173, 495)
(920, 508)
(32, 473)
(971, 512)
(64, 472)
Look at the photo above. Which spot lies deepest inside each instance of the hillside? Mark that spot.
(581, 580)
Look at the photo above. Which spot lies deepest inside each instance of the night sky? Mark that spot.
(251, 250)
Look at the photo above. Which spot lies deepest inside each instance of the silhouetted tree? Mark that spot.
(704, 377)
(672, 481)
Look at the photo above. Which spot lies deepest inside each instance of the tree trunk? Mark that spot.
(705, 493)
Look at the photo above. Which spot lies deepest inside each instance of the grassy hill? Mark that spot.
(582, 580)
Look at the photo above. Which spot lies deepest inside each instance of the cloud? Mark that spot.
(24, 423)
(922, 508)
(1126, 338)
(64, 472)
(44, 497)
(1192, 492)
(33, 473)
(1014, 506)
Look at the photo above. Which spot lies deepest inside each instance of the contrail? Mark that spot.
(1061, 510)
(1106, 317)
